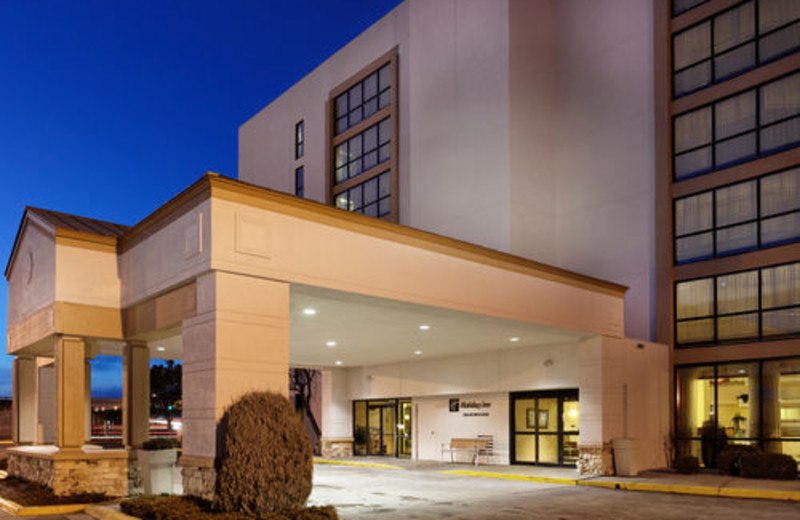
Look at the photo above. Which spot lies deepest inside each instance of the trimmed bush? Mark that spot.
(729, 459)
(687, 464)
(781, 466)
(266, 458)
(754, 465)
(160, 443)
(171, 507)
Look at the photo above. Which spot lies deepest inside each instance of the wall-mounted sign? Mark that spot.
(470, 408)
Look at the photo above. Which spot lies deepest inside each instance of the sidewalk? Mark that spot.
(661, 481)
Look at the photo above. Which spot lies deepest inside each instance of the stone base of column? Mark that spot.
(72, 472)
(336, 446)
(199, 477)
(596, 459)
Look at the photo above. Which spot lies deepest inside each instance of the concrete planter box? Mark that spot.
(158, 468)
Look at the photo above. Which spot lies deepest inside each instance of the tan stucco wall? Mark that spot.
(87, 276)
(31, 291)
(581, 139)
(269, 244)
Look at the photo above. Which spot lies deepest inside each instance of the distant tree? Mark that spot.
(165, 391)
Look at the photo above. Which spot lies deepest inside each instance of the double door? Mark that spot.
(383, 427)
(544, 427)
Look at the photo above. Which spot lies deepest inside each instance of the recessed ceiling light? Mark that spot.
(160, 348)
(330, 343)
(417, 352)
(424, 327)
(309, 311)
(338, 362)
(514, 339)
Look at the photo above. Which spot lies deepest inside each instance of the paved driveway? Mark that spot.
(426, 493)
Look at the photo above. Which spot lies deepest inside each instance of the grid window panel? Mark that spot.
(372, 197)
(731, 131)
(363, 99)
(363, 151)
(733, 42)
(754, 304)
(761, 213)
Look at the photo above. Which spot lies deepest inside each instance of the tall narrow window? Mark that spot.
(299, 140)
(299, 181)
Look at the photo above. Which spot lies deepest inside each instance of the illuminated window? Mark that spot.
(299, 140)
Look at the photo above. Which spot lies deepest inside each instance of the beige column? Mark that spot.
(135, 394)
(24, 400)
(237, 342)
(87, 402)
(70, 392)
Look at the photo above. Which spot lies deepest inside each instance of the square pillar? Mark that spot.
(87, 402)
(337, 415)
(70, 392)
(23, 415)
(238, 342)
(135, 394)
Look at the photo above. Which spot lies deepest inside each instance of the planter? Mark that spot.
(158, 470)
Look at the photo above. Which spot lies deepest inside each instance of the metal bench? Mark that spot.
(477, 447)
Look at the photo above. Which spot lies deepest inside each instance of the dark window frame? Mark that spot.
(299, 139)
(714, 229)
(714, 143)
(299, 181)
(354, 113)
(756, 41)
(715, 316)
(677, 12)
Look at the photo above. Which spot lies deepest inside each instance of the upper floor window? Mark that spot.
(299, 181)
(299, 140)
(681, 6)
(732, 42)
(741, 217)
(372, 197)
(363, 99)
(757, 304)
(740, 128)
(363, 151)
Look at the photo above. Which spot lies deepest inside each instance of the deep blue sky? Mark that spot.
(110, 107)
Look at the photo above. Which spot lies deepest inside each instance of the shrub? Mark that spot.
(171, 507)
(780, 466)
(159, 444)
(754, 465)
(687, 464)
(729, 459)
(266, 459)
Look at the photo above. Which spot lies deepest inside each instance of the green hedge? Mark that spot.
(165, 507)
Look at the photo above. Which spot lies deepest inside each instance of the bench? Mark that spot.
(482, 445)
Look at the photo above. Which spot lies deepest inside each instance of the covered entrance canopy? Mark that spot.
(240, 282)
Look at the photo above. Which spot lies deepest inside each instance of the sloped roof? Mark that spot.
(75, 223)
(64, 221)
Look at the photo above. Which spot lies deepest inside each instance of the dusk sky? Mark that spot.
(108, 108)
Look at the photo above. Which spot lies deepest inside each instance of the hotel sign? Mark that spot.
(470, 408)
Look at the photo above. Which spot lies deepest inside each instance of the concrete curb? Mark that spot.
(15, 509)
(356, 464)
(679, 489)
(106, 513)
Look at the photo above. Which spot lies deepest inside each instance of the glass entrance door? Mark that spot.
(544, 428)
(382, 427)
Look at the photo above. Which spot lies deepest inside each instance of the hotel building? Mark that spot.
(728, 214)
(483, 219)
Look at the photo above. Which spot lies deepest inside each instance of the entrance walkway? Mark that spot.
(706, 483)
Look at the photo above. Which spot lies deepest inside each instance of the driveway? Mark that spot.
(425, 492)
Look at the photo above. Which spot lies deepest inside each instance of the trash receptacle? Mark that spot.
(626, 457)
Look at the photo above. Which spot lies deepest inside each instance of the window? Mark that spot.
(372, 198)
(363, 99)
(299, 140)
(734, 41)
(681, 6)
(299, 181)
(751, 124)
(754, 402)
(362, 152)
(764, 212)
(757, 304)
